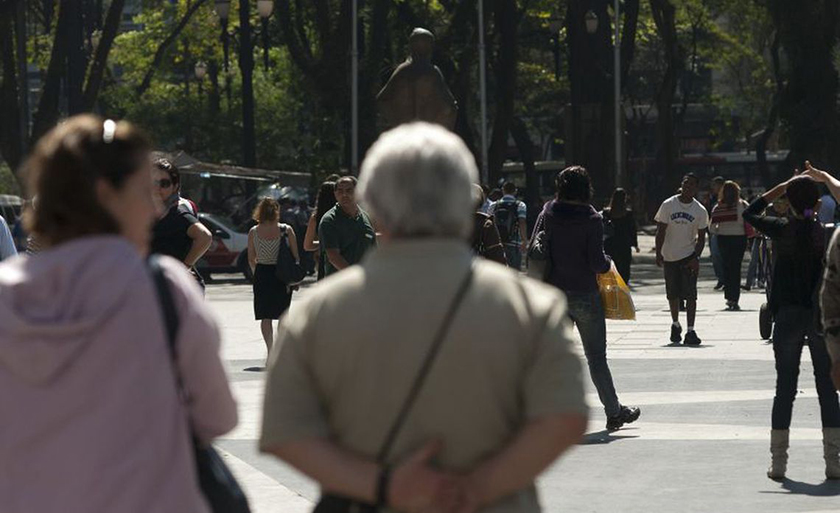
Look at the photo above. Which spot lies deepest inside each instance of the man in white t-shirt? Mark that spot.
(680, 237)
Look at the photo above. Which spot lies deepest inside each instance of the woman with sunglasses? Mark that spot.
(178, 233)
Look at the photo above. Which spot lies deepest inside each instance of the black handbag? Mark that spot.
(287, 269)
(539, 251)
(330, 503)
(217, 484)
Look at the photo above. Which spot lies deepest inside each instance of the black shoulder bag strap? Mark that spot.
(434, 349)
(218, 485)
(167, 304)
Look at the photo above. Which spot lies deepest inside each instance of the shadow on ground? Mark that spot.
(605, 437)
(824, 489)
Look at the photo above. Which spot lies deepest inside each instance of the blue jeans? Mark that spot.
(793, 324)
(717, 259)
(587, 312)
(754, 257)
(513, 252)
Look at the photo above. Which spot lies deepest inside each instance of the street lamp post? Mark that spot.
(246, 66)
(223, 11)
(200, 71)
(591, 20)
(264, 8)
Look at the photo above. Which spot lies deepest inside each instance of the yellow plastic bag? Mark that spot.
(615, 296)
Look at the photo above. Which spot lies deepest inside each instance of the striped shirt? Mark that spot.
(728, 220)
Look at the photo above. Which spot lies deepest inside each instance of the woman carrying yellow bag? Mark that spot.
(615, 296)
(575, 234)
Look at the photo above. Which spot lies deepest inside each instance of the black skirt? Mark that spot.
(271, 297)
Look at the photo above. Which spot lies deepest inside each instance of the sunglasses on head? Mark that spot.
(164, 184)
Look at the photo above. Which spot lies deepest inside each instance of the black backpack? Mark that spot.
(506, 218)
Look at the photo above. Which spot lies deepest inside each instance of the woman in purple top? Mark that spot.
(94, 419)
(576, 243)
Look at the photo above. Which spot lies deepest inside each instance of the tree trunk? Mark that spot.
(589, 130)
(103, 49)
(772, 116)
(10, 136)
(457, 58)
(506, 24)
(664, 16)
(76, 55)
(628, 53)
(246, 67)
(24, 112)
(628, 38)
(463, 93)
(49, 104)
(375, 63)
(326, 71)
(809, 98)
(525, 146)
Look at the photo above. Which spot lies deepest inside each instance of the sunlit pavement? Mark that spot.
(701, 445)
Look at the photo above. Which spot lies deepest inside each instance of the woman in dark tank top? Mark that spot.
(620, 233)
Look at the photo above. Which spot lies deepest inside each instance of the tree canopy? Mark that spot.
(765, 69)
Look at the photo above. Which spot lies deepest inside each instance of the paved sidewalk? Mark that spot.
(701, 444)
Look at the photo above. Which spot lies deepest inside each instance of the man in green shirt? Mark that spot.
(346, 231)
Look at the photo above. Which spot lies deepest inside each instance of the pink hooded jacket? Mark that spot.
(89, 416)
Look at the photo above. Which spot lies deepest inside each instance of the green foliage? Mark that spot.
(739, 54)
(205, 118)
(648, 66)
(725, 44)
(302, 125)
(543, 87)
(8, 182)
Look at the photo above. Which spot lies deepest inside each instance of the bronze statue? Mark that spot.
(416, 90)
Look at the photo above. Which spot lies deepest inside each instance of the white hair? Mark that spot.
(416, 181)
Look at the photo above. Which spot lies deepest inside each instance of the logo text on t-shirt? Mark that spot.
(677, 217)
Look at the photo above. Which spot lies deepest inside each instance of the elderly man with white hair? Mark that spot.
(424, 379)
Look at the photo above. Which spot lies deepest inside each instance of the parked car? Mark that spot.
(10, 208)
(240, 208)
(229, 251)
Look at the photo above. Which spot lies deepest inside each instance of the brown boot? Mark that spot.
(779, 443)
(831, 452)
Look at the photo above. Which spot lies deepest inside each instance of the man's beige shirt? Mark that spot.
(348, 354)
